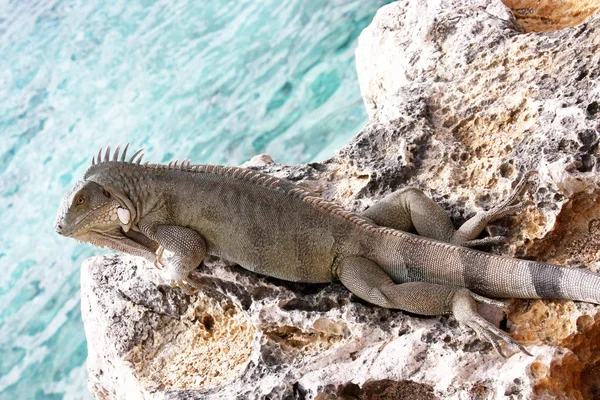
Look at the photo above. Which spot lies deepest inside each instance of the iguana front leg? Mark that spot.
(186, 245)
(411, 210)
(370, 282)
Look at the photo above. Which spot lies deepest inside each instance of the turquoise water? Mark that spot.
(212, 81)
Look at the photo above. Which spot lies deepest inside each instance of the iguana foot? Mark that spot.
(511, 205)
(494, 237)
(178, 270)
(464, 309)
(180, 250)
(466, 234)
(503, 211)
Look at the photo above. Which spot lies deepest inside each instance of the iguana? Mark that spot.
(175, 215)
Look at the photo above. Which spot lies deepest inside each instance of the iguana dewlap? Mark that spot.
(273, 227)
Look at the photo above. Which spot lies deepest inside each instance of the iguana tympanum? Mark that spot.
(175, 215)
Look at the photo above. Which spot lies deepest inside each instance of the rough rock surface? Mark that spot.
(551, 15)
(461, 102)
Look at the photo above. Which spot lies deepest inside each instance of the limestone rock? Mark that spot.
(461, 103)
(145, 337)
(550, 15)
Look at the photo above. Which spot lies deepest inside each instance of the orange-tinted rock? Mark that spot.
(537, 321)
(551, 15)
(576, 375)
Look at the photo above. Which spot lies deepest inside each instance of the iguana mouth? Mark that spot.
(135, 236)
(87, 214)
(118, 234)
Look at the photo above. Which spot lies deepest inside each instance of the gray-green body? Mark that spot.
(276, 228)
(262, 228)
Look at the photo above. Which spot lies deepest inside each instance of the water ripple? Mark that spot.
(214, 81)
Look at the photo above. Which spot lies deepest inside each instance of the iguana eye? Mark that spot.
(80, 200)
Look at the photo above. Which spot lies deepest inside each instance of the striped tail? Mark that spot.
(410, 258)
(530, 279)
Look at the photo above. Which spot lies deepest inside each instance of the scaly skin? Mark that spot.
(175, 215)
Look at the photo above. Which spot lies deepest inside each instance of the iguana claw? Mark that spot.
(494, 335)
(158, 262)
(179, 278)
(464, 309)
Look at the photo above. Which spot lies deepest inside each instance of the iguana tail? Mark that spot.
(410, 258)
(508, 277)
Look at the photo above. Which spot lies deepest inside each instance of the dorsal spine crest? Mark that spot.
(185, 166)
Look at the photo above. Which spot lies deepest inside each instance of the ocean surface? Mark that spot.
(211, 81)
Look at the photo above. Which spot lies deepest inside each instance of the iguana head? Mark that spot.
(99, 210)
(90, 212)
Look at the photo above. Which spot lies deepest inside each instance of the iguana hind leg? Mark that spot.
(410, 210)
(186, 251)
(370, 282)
